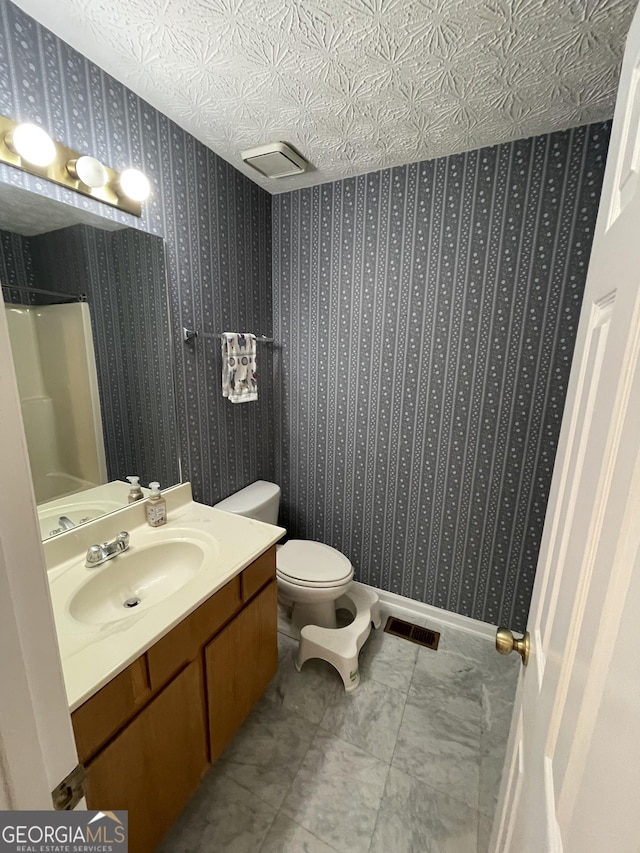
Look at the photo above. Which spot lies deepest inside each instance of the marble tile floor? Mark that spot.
(408, 763)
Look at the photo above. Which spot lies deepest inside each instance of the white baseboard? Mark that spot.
(410, 610)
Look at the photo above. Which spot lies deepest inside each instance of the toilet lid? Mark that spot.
(312, 563)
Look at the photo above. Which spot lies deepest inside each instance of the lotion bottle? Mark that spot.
(156, 507)
(135, 493)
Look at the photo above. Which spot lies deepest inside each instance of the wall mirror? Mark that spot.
(87, 311)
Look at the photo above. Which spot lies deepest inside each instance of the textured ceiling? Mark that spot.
(355, 85)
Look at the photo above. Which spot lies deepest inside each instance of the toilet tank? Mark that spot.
(260, 500)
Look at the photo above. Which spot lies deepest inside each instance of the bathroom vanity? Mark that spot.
(156, 696)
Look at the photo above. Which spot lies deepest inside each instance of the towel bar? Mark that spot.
(192, 334)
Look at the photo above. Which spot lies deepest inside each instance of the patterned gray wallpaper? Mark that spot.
(16, 268)
(215, 222)
(427, 317)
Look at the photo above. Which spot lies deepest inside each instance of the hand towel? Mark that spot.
(239, 373)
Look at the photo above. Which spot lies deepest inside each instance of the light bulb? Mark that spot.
(32, 144)
(135, 185)
(88, 170)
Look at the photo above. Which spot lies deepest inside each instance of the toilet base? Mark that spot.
(341, 646)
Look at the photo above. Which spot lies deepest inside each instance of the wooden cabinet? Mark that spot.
(95, 722)
(240, 663)
(257, 575)
(156, 763)
(185, 642)
(147, 737)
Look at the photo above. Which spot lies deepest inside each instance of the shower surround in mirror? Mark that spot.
(438, 306)
(122, 274)
(55, 366)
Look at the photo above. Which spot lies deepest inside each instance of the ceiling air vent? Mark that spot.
(275, 160)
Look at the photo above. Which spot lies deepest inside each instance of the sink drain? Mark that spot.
(132, 602)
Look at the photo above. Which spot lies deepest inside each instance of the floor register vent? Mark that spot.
(414, 633)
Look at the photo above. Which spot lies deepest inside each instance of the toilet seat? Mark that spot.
(312, 564)
(302, 585)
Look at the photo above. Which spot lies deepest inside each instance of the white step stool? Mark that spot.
(341, 646)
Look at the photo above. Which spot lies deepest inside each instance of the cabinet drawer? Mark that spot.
(183, 643)
(258, 574)
(111, 708)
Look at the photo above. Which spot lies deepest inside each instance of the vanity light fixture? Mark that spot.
(30, 148)
(135, 185)
(88, 170)
(31, 143)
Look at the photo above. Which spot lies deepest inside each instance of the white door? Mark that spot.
(572, 774)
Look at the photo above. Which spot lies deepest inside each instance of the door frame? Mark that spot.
(37, 746)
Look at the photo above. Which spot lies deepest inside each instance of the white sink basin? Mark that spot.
(173, 569)
(136, 580)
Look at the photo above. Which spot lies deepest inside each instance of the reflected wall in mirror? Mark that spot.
(89, 325)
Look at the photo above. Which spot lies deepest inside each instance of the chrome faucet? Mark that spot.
(99, 554)
(65, 522)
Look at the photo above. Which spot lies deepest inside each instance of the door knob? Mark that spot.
(507, 643)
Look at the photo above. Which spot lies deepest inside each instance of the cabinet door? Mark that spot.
(156, 763)
(240, 662)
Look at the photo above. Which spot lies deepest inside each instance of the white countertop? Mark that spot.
(92, 654)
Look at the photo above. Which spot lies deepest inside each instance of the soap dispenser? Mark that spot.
(156, 508)
(135, 494)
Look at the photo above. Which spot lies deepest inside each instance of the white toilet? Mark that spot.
(311, 578)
